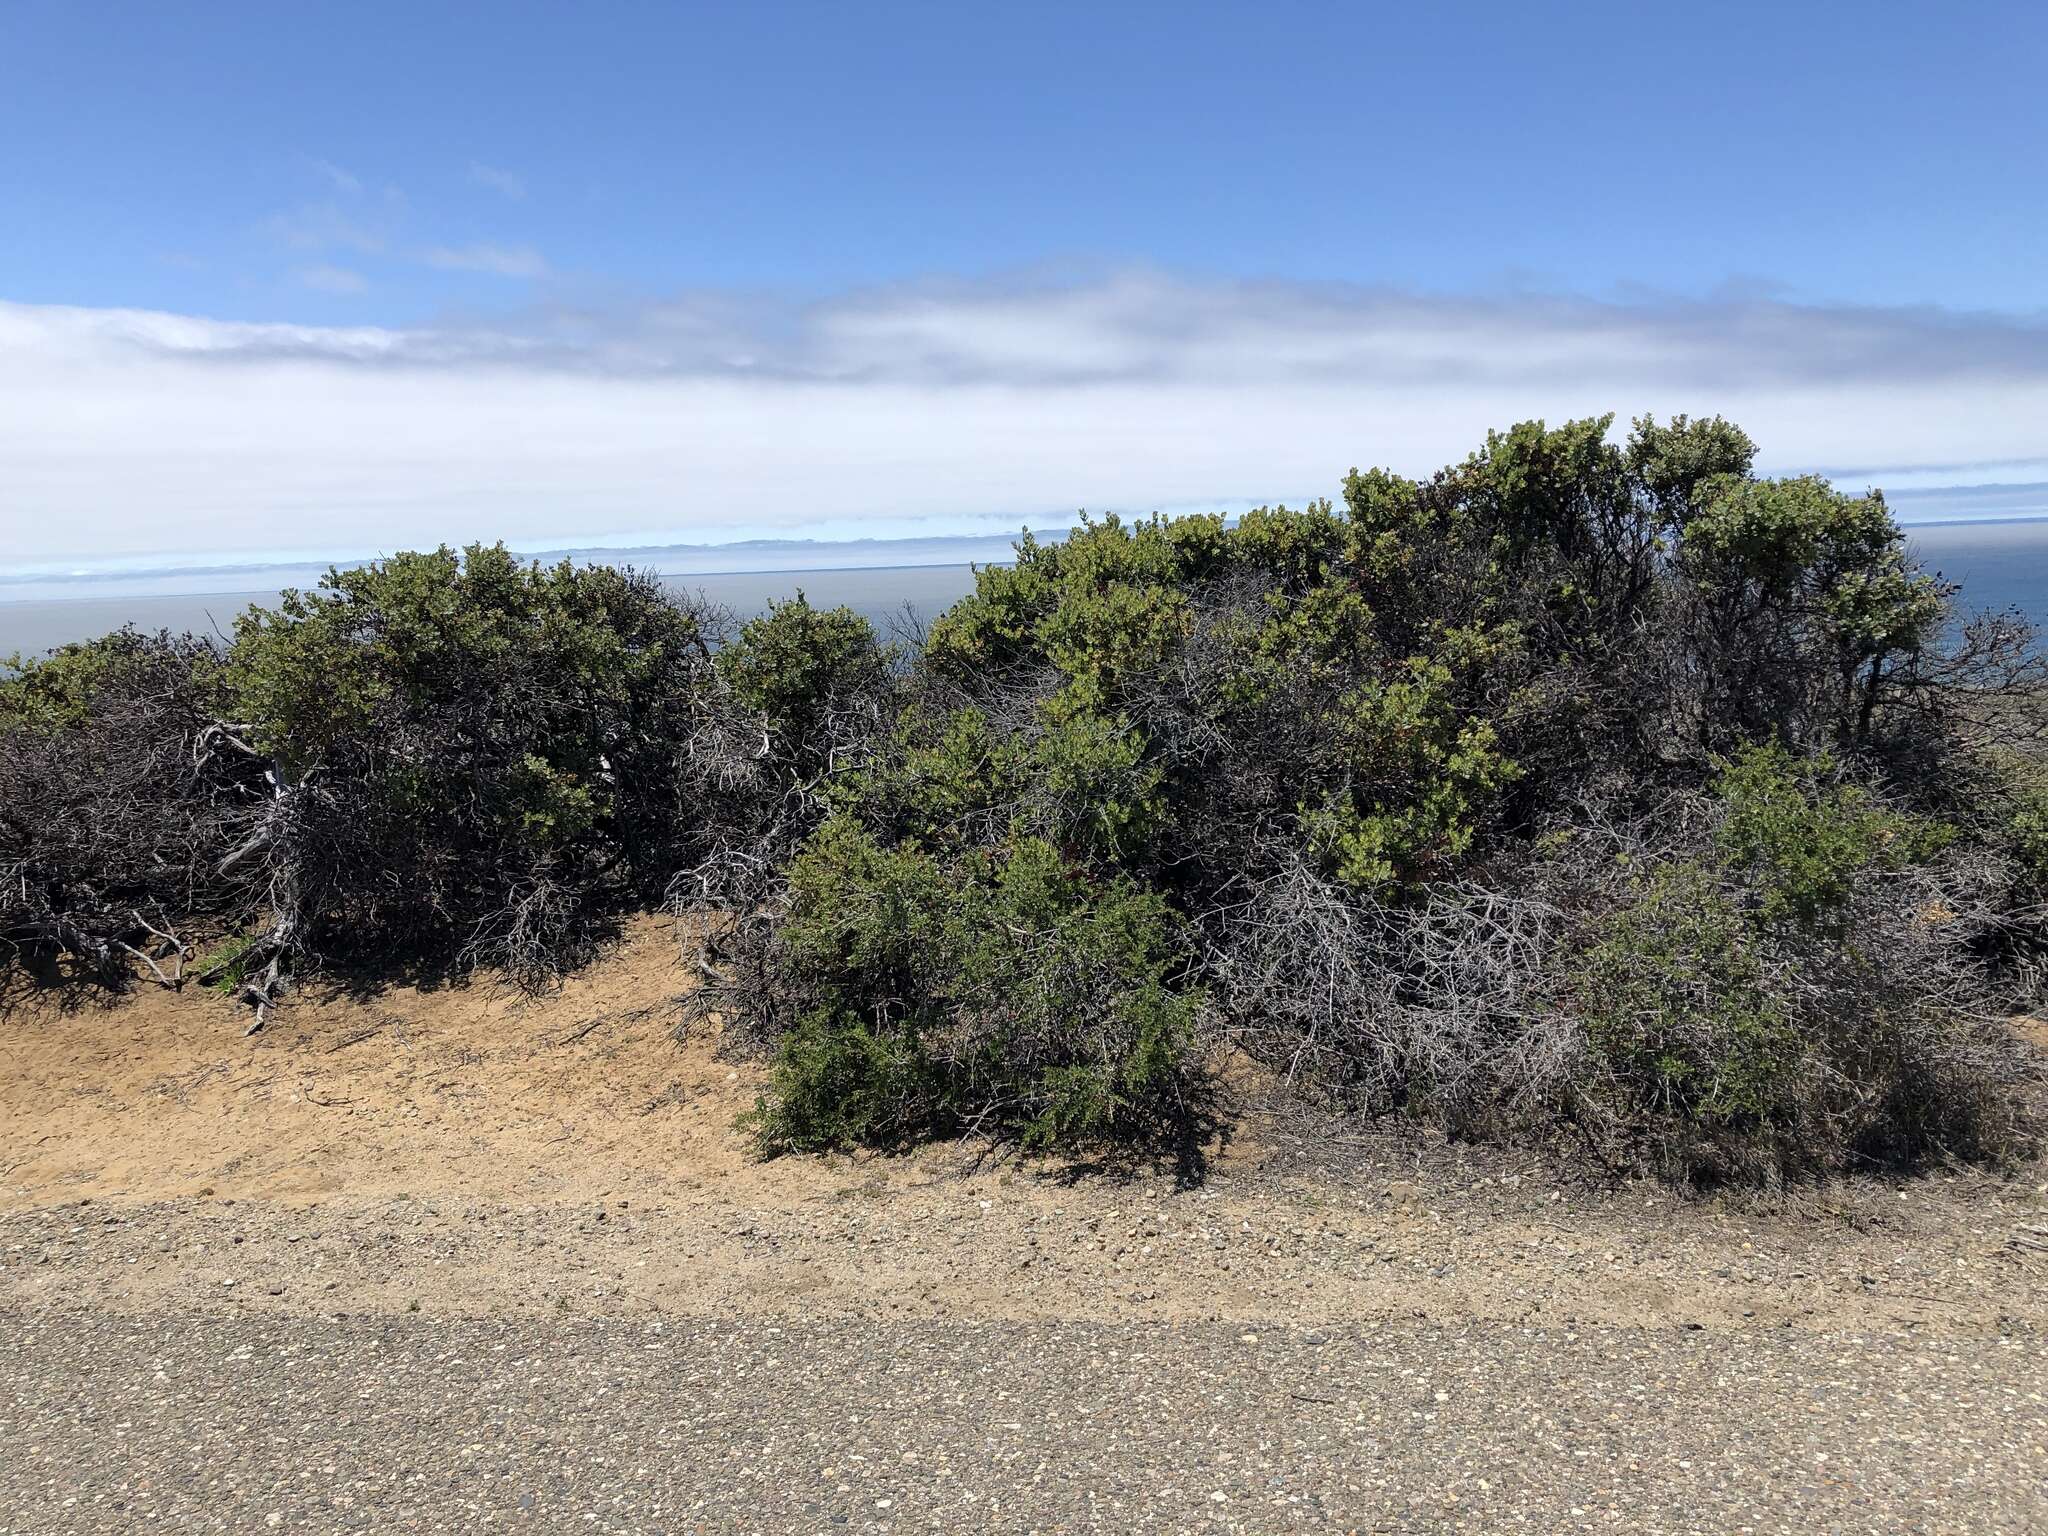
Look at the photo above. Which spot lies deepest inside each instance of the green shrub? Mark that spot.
(478, 757)
(1798, 996)
(1685, 1013)
(1422, 782)
(60, 690)
(1805, 839)
(1005, 989)
(119, 801)
(2029, 832)
(797, 667)
(2013, 791)
(835, 1082)
(1591, 774)
(1373, 772)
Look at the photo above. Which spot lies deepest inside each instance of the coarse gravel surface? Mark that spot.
(203, 1423)
(443, 1258)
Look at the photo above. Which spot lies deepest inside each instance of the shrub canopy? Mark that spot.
(1592, 784)
(474, 749)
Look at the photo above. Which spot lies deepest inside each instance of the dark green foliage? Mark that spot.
(117, 800)
(2011, 794)
(797, 666)
(1591, 780)
(440, 759)
(479, 756)
(1804, 839)
(1685, 1011)
(1391, 763)
(835, 1082)
(1005, 989)
(566, 684)
(60, 691)
(1794, 996)
(2028, 833)
(796, 702)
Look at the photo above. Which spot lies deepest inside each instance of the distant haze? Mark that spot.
(2000, 565)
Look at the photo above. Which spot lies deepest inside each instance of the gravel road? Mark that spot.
(208, 1422)
(451, 1261)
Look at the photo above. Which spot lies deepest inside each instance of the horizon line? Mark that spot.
(115, 577)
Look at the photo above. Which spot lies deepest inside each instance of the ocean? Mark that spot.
(879, 595)
(1999, 565)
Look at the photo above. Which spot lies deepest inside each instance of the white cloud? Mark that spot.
(923, 410)
(497, 260)
(500, 181)
(325, 226)
(336, 177)
(337, 280)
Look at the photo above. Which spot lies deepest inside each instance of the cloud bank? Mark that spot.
(930, 409)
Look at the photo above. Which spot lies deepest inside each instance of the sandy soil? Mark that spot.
(465, 1151)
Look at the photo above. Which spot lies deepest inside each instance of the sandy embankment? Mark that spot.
(463, 1150)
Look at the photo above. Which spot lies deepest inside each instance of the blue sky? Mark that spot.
(300, 276)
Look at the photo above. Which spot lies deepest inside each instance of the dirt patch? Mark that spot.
(469, 1090)
(465, 1150)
